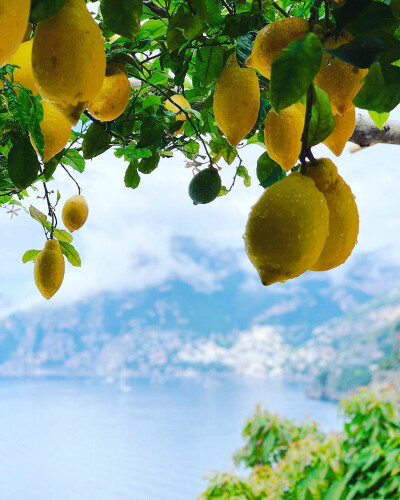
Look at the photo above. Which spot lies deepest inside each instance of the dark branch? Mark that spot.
(155, 9)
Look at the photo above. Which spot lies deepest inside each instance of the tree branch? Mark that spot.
(155, 9)
(367, 133)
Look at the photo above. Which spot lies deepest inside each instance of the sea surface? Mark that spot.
(63, 439)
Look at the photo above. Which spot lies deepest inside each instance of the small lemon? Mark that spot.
(282, 134)
(56, 130)
(343, 215)
(272, 39)
(23, 59)
(75, 212)
(287, 229)
(49, 269)
(341, 81)
(236, 101)
(114, 95)
(171, 104)
(14, 16)
(68, 59)
(343, 130)
(205, 186)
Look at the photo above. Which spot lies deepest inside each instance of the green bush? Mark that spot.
(299, 462)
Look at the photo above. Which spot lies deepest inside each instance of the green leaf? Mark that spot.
(244, 46)
(349, 13)
(60, 234)
(70, 252)
(151, 131)
(242, 172)
(43, 9)
(133, 153)
(147, 165)
(268, 171)
(37, 215)
(132, 178)
(360, 52)
(240, 24)
(322, 122)
(381, 89)
(209, 11)
(30, 255)
(122, 16)
(96, 141)
(376, 16)
(293, 71)
(74, 160)
(379, 118)
(193, 26)
(210, 61)
(23, 163)
(175, 37)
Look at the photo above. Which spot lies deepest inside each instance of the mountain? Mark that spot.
(304, 330)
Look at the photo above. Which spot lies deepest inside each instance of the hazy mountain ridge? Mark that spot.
(297, 330)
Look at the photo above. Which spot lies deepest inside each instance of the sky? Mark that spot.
(134, 239)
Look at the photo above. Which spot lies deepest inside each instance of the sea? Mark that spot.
(91, 439)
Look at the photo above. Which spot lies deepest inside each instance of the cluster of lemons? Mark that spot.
(303, 222)
(65, 62)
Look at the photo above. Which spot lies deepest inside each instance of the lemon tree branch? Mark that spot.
(366, 133)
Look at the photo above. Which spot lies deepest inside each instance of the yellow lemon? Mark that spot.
(14, 16)
(287, 229)
(49, 269)
(56, 130)
(340, 80)
(343, 215)
(344, 128)
(75, 212)
(272, 39)
(23, 59)
(283, 133)
(114, 95)
(236, 101)
(68, 59)
(171, 104)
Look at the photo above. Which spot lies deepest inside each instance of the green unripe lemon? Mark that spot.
(205, 186)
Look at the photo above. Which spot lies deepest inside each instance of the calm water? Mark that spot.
(88, 440)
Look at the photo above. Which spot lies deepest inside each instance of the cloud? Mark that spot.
(140, 238)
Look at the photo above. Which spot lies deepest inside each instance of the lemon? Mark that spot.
(75, 212)
(68, 59)
(14, 16)
(56, 130)
(340, 80)
(49, 269)
(114, 95)
(282, 134)
(343, 215)
(171, 104)
(343, 130)
(287, 229)
(272, 39)
(236, 101)
(205, 186)
(23, 59)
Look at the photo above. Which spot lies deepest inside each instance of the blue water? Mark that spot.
(88, 440)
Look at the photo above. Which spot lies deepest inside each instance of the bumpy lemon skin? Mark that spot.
(236, 101)
(14, 16)
(181, 101)
(23, 59)
(343, 130)
(343, 215)
(68, 59)
(287, 229)
(282, 135)
(75, 212)
(272, 39)
(340, 80)
(114, 95)
(56, 130)
(49, 269)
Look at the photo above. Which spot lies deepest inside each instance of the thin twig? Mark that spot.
(72, 177)
(279, 9)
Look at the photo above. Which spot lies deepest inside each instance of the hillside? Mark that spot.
(304, 331)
